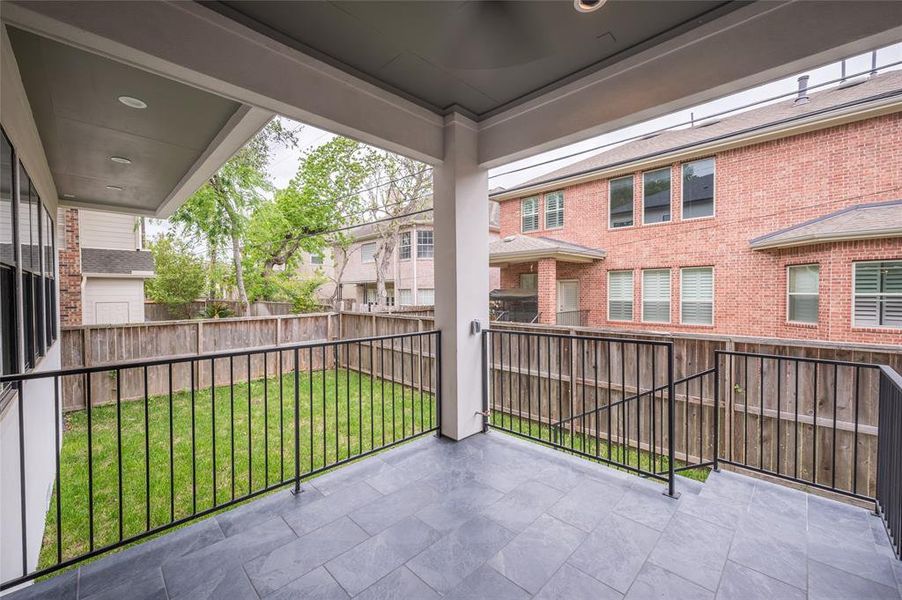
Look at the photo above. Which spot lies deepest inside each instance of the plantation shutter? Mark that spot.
(426, 297)
(620, 295)
(554, 210)
(878, 294)
(656, 295)
(405, 297)
(529, 214)
(697, 296)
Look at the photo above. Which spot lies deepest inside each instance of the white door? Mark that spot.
(567, 296)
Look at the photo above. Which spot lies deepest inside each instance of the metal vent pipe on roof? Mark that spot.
(802, 97)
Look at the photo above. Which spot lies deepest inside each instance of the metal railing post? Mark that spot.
(671, 416)
(438, 382)
(297, 428)
(485, 382)
(716, 465)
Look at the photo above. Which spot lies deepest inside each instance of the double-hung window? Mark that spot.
(529, 214)
(49, 280)
(9, 322)
(554, 210)
(698, 189)
(368, 252)
(697, 296)
(425, 246)
(656, 295)
(802, 293)
(404, 246)
(878, 294)
(620, 295)
(620, 202)
(656, 196)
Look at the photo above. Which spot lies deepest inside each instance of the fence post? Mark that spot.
(717, 410)
(671, 476)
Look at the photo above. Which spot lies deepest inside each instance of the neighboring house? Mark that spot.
(784, 221)
(411, 276)
(313, 265)
(103, 266)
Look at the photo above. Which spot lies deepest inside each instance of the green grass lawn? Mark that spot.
(347, 422)
(588, 444)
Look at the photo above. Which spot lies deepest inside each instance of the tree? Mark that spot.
(401, 186)
(178, 274)
(302, 292)
(218, 212)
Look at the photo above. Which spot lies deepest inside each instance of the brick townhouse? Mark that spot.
(784, 221)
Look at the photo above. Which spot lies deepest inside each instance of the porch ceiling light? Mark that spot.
(120, 160)
(587, 6)
(132, 102)
(70, 196)
(114, 188)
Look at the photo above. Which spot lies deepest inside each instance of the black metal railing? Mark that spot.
(184, 437)
(889, 457)
(608, 399)
(516, 316)
(573, 318)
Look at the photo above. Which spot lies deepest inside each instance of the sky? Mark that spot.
(285, 160)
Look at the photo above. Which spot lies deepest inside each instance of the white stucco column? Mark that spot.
(461, 274)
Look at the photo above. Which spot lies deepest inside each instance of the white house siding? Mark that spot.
(108, 230)
(113, 300)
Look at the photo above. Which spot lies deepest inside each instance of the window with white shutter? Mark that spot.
(656, 295)
(425, 297)
(697, 296)
(368, 252)
(802, 293)
(529, 214)
(878, 294)
(554, 210)
(405, 297)
(620, 295)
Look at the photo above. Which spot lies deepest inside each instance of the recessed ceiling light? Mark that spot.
(121, 160)
(587, 6)
(131, 102)
(68, 195)
(115, 188)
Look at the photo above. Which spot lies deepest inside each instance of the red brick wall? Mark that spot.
(70, 270)
(758, 189)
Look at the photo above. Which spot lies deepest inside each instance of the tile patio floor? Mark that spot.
(499, 518)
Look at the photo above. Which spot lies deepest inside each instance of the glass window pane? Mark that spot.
(368, 252)
(803, 308)
(554, 210)
(697, 296)
(425, 247)
(621, 202)
(804, 279)
(405, 297)
(698, 189)
(7, 242)
(24, 219)
(426, 297)
(878, 294)
(656, 295)
(656, 196)
(620, 295)
(404, 246)
(803, 290)
(529, 214)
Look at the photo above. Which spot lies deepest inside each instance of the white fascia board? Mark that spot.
(194, 45)
(747, 47)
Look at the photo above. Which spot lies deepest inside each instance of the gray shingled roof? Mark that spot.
(371, 230)
(526, 247)
(116, 262)
(889, 83)
(864, 221)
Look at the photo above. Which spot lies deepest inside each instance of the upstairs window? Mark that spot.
(878, 294)
(368, 252)
(698, 189)
(802, 293)
(404, 246)
(620, 295)
(656, 196)
(656, 295)
(316, 259)
(529, 214)
(697, 296)
(529, 281)
(425, 246)
(554, 210)
(620, 202)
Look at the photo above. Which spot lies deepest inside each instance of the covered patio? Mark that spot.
(496, 517)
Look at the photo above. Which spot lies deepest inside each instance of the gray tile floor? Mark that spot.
(496, 517)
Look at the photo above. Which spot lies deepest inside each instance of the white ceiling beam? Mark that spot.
(747, 47)
(199, 47)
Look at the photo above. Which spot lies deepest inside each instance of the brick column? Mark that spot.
(547, 291)
(70, 270)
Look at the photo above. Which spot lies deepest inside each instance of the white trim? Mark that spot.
(713, 297)
(788, 294)
(669, 169)
(642, 273)
(713, 214)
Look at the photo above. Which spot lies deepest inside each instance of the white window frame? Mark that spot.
(669, 169)
(855, 295)
(402, 245)
(713, 185)
(789, 293)
(631, 176)
(420, 291)
(713, 297)
(372, 258)
(558, 210)
(430, 245)
(535, 201)
(401, 293)
(632, 296)
(669, 294)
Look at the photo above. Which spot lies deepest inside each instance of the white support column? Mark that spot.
(461, 274)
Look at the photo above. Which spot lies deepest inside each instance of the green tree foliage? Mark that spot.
(179, 277)
(302, 292)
